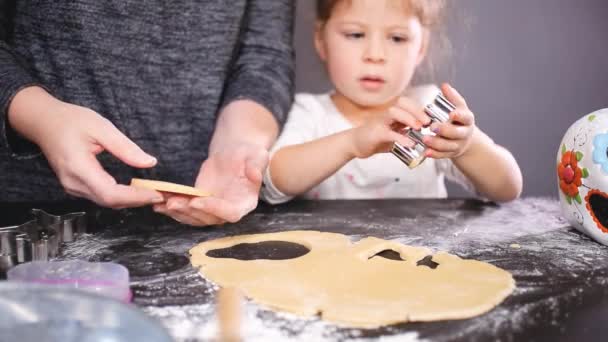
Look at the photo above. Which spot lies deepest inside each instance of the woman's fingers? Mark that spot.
(179, 217)
(72, 153)
(83, 176)
(123, 148)
(179, 208)
(223, 209)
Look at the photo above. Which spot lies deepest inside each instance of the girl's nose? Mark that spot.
(374, 51)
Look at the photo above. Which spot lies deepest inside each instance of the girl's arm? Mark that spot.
(491, 168)
(296, 169)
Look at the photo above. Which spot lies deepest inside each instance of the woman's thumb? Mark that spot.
(255, 165)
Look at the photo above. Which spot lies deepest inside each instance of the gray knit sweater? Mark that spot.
(159, 70)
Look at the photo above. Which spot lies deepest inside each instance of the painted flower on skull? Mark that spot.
(570, 174)
(600, 151)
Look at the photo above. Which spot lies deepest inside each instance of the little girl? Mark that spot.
(334, 145)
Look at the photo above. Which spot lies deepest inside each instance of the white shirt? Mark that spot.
(379, 176)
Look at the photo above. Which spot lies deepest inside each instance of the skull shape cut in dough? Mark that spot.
(346, 283)
(582, 175)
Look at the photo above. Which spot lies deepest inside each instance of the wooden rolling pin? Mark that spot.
(229, 314)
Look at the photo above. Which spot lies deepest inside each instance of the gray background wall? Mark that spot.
(528, 68)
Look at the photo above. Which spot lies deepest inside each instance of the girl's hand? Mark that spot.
(71, 137)
(379, 133)
(453, 138)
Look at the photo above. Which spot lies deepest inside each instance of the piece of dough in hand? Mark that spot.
(168, 187)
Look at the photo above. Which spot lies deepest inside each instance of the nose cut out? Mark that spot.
(388, 254)
(266, 250)
(428, 262)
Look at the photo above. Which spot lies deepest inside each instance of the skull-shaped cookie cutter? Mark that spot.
(38, 239)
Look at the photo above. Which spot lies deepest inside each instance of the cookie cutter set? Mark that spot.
(438, 108)
(40, 238)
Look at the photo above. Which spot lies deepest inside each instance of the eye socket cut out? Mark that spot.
(265, 250)
(388, 254)
(428, 262)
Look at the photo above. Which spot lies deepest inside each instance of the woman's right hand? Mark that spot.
(378, 134)
(71, 137)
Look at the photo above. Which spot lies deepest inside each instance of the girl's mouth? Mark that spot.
(372, 83)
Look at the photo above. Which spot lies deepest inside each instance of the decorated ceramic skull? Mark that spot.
(582, 170)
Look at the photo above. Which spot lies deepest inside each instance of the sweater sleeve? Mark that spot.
(14, 76)
(263, 69)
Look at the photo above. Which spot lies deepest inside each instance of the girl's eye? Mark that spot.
(399, 39)
(354, 35)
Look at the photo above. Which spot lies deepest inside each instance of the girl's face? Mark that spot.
(371, 49)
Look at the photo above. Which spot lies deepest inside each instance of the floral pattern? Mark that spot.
(571, 175)
(600, 151)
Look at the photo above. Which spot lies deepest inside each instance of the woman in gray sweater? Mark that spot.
(87, 86)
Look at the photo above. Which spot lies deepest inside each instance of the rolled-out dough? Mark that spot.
(343, 283)
(168, 187)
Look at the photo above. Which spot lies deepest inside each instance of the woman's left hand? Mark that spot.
(453, 138)
(233, 176)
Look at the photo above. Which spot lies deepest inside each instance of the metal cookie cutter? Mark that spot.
(40, 238)
(438, 108)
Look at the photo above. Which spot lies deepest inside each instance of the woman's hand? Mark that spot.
(71, 137)
(233, 175)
